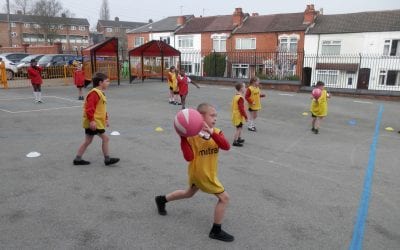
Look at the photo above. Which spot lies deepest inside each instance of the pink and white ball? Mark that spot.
(188, 122)
(316, 93)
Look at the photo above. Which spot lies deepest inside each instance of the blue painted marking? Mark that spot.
(358, 232)
(352, 122)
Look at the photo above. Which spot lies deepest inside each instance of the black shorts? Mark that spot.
(313, 116)
(240, 125)
(250, 110)
(176, 92)
(170, 88)
(88, 131)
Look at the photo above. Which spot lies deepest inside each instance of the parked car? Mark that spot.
(25, 63)
(53, 64)
(11, 60)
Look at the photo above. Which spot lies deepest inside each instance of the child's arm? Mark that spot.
(247, 96)
(92, 100)
(186, 149)
(195, 84)
(220, 140)
(262, 95)
(241, 108)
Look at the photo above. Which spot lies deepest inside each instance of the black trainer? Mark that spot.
(253, 129)
(160, 205)
(237, 144)
(81, 162)
(111, 161)
(316, 131)
(240, 140)
(222, 236)
(312, 129)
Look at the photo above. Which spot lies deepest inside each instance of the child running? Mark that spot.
(173, 86)
(202, 155)
(183, 86)
(79, 79)
(253, 95)
(319, 107)
(95, 119)
(239, 115)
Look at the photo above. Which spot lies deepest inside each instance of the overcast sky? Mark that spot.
(143, 10)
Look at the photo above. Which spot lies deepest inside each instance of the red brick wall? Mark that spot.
(51, 49)
(131, 39)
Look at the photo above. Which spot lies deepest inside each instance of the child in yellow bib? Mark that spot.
(173, 86)
(239, 116)
(319, 107)
(253, 98)
(202, 153)
(95, 119)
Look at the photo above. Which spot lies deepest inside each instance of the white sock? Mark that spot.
(35, 95)
(250, 124)
(39, 96)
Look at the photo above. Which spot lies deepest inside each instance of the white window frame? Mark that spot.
(241, 45)
(288, 43)
(165, 39)
(137, 41)
(331, 47)
(387, 47)
(27, 25)
(13, 25)
(239, 66)
(185, 42)
(108, 29)
(383, 78)
(60, 27)
(73, 27)
(324, 75)
(219, 43)
(36, 26)
(82, 28)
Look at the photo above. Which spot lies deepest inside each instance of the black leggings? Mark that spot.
(36, 87)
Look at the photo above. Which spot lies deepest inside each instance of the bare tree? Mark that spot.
(22, 5)
(45, 12)
(105, 11)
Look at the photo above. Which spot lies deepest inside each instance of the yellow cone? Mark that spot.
(305, 113)
(159, 129)
(389, 129)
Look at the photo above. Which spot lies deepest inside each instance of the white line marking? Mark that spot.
(224, 88)
(364, 102)
(38, 110)
(22, 98)
(286, 94)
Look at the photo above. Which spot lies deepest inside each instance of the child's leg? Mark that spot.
(84, 145)
(176, 97)
(80, 92)
(171, 95)
(223, 200)
(176, 195)
(250, 121)
(182, 194)
(237, 134)
(216, 230)
(104, 146)
(254, 117)
(183, 101)
(318, 122)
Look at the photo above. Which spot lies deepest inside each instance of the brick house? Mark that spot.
(72, 33)
(270, 44)
(117, 28)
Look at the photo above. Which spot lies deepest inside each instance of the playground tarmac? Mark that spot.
(289, 188)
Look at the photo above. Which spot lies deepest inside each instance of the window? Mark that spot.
(13, 25)
(329, 77)
(108, 29)
(36, 26)
(331, 47)
(187, 66)
(13, 34)
(185, 41)
(82, 28)
(73, 27)
(288, 44)
(219, 44)
(240, 70)
(245, 43)
(138, 41)
(389, 77)
(27, 25)
(165, 39)
(52, 26)
(391, 48)
(60, 27)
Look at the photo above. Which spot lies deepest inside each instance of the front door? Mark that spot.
(363, 78)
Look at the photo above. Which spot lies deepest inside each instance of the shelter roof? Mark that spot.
(154, 48)
(107, 48)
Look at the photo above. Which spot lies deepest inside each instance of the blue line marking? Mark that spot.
(358, 232)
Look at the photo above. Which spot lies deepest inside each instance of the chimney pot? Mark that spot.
(116, 19)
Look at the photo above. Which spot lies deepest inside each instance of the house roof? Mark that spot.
(273, 23)
(372, 21)
(122, 24)
(164, 25)
(208, 24)
(154, 48)
(38, 19)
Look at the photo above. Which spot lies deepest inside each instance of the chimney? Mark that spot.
(116, 19)
(309, 14)
(19, 12)
(237, 17)
(254, 14)
(180, 20)
(63, 15)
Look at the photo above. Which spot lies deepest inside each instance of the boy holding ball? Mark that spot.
(202, 155)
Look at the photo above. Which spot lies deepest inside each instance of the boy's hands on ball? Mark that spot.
(207, 128)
